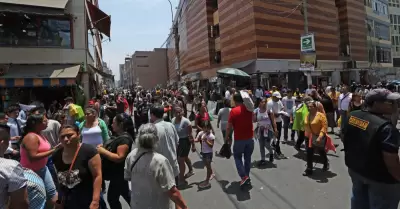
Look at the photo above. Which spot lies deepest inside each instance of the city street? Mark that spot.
(276, 186)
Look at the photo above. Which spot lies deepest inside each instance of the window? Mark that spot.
(379, 7)
(141, 56)
(28, 30)
(383, 55)
(382, 31)
(216, 31)
(214, 4)
(142, 66)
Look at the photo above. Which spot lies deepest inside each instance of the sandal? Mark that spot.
(189, 174)
(204, 185)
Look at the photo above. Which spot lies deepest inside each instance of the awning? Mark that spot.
(100, 20)
(39, 75)
(49, 7)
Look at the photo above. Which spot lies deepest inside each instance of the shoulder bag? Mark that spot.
(320, 144)
(61, 200)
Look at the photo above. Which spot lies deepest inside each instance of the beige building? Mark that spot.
(54, 36)
(149, 68)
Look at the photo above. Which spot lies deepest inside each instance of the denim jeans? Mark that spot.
(265, 142)
(367, 194)
(45, 174)
(243, 149)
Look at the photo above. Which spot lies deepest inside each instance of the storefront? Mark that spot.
(25, 83)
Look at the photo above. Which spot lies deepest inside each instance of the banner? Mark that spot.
(308, 61)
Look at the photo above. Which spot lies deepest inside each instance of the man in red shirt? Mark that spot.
(241, 121)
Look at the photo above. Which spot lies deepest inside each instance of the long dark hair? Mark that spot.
(127, 124)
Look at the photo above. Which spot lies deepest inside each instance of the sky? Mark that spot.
(136, 25)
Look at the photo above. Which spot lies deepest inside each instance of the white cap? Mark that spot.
(277, 95)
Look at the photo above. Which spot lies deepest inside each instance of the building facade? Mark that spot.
(40, 38)
(394, 12)
(264, 38)
(149, 68)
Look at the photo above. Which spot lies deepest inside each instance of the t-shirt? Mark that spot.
(11, 179)
(205, 148)
(80, 186)
(113, 169)
(288, 104)
(182, 127)
(223, 115)
(152, 178)
(242, 122)
(52, 131)
(275, 107)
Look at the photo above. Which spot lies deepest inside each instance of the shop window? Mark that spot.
(26, 30)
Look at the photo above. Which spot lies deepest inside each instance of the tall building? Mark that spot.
(263, 37)
(378, 33)
(121, 74)
(394, 12)
(149, 68)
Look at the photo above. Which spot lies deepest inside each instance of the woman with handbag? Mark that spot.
(315, 125)
(113, 155)
(79, 171)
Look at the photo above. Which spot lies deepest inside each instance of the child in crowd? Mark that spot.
(206, 137)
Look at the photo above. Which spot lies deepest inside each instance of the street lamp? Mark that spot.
(172, 11)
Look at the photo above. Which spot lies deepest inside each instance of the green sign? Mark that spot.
(307, 43)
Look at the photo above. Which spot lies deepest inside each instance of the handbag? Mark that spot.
(315, 143)
(60, 202)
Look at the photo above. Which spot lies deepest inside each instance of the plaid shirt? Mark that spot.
(11, 179)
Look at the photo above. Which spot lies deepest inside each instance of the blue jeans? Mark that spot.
(45, 174)
(243, 148)
(367, 194)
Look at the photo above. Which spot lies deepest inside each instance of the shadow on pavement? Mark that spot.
(198, 164)
(322, 176)
(267, 165)
(242, 194)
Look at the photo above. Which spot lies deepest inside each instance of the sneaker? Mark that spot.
(261, 163)
(271, 158)
(245, 180)
(189, 174)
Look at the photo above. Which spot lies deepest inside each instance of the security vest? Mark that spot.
(362, 146)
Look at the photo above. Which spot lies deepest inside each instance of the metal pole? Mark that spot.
(305, 15)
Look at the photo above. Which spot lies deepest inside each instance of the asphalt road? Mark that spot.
(276, 186)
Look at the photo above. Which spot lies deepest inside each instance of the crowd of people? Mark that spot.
(139, 141)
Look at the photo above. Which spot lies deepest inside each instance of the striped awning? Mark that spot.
(39, 76)
(36, 82)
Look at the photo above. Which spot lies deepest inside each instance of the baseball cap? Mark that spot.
(277, 95)
(380, 95)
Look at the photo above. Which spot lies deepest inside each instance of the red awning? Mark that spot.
(100, 20)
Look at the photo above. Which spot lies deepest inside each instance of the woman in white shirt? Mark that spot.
(93, 130)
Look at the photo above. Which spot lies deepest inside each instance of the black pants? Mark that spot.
(300, 139)
(286, 126)
(310, 156)
(118, 187)
(278, 139)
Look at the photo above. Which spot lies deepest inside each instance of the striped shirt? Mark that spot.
(36, 190)
(11, 179)
(168, 143)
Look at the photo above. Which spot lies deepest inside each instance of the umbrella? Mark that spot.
(233, 71)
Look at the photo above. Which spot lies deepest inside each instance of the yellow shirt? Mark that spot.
(334, 97)
(319, 125)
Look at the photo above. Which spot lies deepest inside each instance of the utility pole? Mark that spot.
(305, 15)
